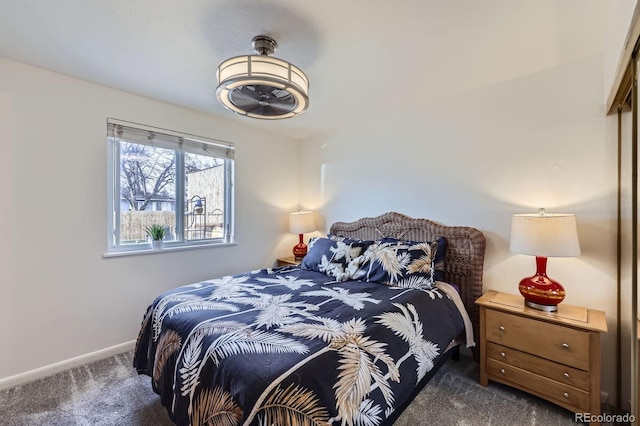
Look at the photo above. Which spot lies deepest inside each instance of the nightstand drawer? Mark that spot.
(551, 341)
(563, 394)
(540, 366)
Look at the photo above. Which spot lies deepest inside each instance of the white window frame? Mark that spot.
(119, 130)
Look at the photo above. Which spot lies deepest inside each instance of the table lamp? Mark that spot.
(300, 223)
(543, 235)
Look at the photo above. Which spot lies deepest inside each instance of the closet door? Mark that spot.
(624, 106)
(627, 129)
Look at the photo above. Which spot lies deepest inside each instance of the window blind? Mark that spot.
(163, 138)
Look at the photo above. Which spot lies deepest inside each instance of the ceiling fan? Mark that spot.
(261, 86)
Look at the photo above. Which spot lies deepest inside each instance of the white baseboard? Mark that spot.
(48, 370)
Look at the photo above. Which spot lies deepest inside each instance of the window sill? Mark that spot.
(164, 249)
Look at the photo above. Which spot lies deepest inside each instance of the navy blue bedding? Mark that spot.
(292, 347)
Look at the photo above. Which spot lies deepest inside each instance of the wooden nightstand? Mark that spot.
(287, 261)
(554, 355)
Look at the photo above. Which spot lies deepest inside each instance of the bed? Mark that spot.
(347, 338)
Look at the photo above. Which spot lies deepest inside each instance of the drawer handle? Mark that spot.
(565, 395)
(566, 375)
(501, 328)
(502, 371)
(502, 354)
(565, 346)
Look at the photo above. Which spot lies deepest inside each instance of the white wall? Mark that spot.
(475, 159)
(59, 298)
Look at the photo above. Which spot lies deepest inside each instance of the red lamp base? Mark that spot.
(300, 249)
(539, 291)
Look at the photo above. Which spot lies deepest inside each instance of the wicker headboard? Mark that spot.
(465, 249)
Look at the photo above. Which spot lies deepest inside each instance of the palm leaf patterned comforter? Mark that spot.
(291, 347)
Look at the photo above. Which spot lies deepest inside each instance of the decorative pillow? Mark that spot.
(338, 259)
(438, 259)
(404, 263)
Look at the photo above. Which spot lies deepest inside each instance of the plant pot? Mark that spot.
(156, 244)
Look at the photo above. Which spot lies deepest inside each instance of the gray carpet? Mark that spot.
(109, 392)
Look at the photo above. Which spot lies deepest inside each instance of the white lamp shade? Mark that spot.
(301, 222)
(545, 235)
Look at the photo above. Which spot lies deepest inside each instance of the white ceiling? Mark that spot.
(362, 57)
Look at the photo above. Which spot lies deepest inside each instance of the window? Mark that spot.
(160, 177)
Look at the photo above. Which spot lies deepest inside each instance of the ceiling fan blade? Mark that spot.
(262, 100)
(267, 110)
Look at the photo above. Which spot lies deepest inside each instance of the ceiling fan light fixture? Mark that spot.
(261, 86)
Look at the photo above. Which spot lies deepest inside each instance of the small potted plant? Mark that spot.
(156, 233)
